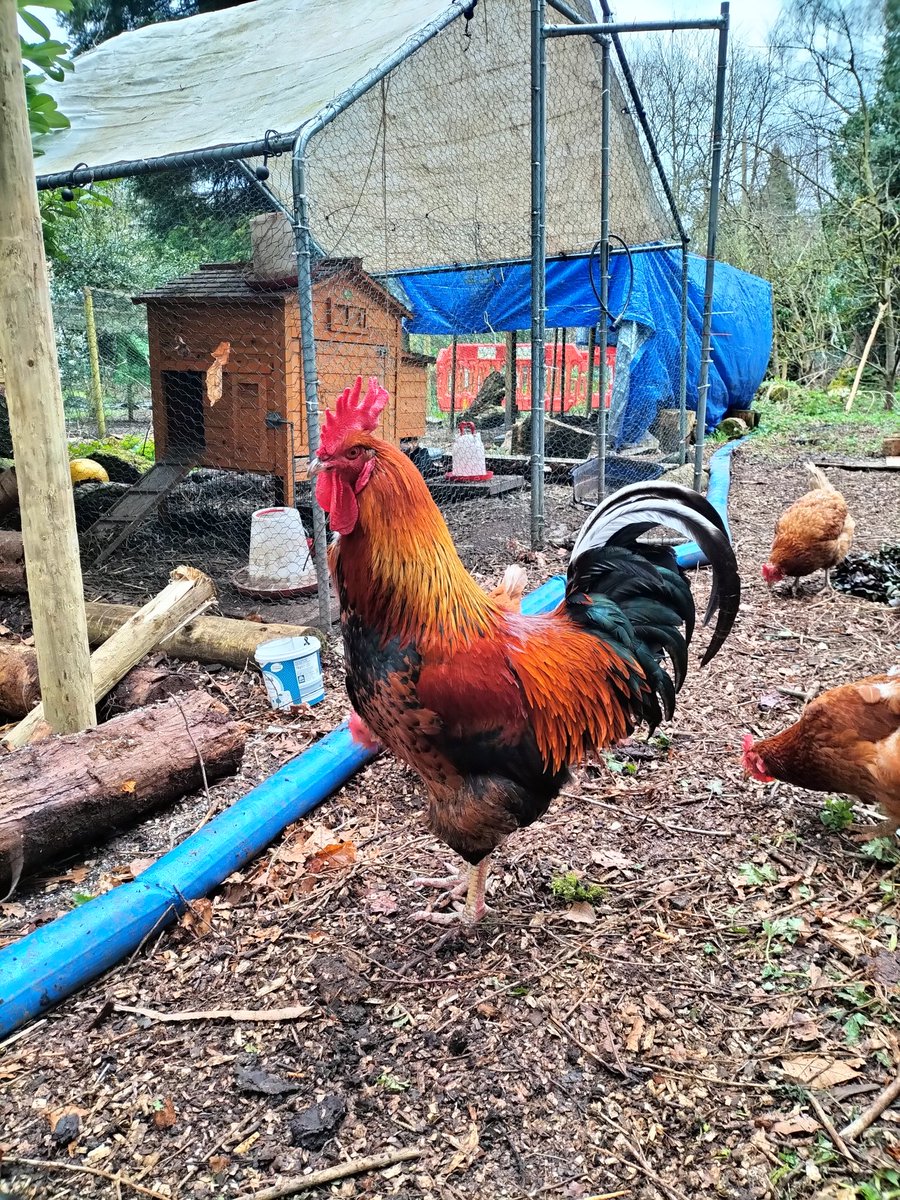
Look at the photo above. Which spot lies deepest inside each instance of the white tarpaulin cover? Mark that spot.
(430, 166)
(222, 78)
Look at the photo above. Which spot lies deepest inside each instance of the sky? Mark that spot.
(751, 20)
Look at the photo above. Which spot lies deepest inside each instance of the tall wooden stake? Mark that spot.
(94, 355)
(28, 364)
(511, 377)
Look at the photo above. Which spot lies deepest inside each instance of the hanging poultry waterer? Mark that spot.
(280, 563)
(468, 456)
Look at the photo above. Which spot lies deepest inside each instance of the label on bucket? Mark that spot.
(292, 671)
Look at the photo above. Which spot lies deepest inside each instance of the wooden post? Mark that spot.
(553, 368)
(511, 378)
(591, 353)
(453, 385)
(188, 593)
(94, 356)
(31, 373)
(562, 377)
(867, 350)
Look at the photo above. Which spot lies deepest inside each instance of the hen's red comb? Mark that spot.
(352, 412)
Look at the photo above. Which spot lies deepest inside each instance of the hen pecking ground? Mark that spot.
(686, 984)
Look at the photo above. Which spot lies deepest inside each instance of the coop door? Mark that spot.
(183, 395)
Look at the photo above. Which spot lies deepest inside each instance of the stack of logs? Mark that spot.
(164, 737)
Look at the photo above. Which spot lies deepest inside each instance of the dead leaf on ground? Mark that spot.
(465, 1148)
(852, 942)
(581, 913)
(332, 857)
(379, 901)
(198, 918)
(165, 1117)
(614, 860)
(820, 1070)
(884, 967)
(796, 1124)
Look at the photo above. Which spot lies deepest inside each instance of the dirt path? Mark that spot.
(655, 1040)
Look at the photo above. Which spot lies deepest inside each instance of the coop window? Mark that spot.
(344, 317)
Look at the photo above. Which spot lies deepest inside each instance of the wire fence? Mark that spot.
(178, 317)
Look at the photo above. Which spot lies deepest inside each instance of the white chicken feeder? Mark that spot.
(469, 465)
(280, 565)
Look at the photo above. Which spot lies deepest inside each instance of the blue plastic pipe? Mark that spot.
(41, 969)
(690, 554)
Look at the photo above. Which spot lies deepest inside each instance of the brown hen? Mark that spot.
(813, 535)
(847, 740)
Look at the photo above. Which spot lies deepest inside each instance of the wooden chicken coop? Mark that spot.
(225, 365)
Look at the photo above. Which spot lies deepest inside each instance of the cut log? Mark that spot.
(188, 592)
(205, 639)
(12, 562)
(147, 684)
(19, 686)
(74, 790)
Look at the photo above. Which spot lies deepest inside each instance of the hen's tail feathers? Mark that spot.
(643, 580)
(818, 478)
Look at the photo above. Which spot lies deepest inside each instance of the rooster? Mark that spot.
(489, 706)
(847, 740)
(814, 534)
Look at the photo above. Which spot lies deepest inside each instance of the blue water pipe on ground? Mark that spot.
(52, 962)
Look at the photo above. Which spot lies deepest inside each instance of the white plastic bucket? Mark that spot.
(279, 554)
(292, 670)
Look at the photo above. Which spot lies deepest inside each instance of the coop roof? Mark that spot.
(429, 165)
(214, 283)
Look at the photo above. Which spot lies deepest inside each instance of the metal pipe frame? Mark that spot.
(603, 325)
(304, 248)
(554, 31)
(640, 112)
(538, 264)
(682, 364)
(715, 181)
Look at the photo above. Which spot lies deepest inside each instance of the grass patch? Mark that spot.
(796, 417)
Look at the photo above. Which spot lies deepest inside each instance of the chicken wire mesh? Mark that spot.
(179, 329)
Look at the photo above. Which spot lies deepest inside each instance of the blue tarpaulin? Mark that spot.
(491, 299)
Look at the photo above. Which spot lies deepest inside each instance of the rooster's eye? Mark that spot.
(353, 452)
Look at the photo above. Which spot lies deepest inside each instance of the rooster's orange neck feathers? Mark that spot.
(399, 570)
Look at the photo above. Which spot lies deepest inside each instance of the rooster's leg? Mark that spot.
(475, 905)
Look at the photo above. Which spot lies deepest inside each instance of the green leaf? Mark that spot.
(757, 876)
(34, 24)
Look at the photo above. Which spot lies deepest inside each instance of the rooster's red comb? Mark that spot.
(352, 413)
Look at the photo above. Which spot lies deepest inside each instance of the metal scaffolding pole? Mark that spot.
(303, 244)
(538, 265)
(682, 362)
(603, 246)
(712, 229)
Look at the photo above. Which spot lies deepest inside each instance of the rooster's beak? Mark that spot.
(314, 468)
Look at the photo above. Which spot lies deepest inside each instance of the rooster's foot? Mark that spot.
(460, 914)
(455, 885)
(472, 884)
